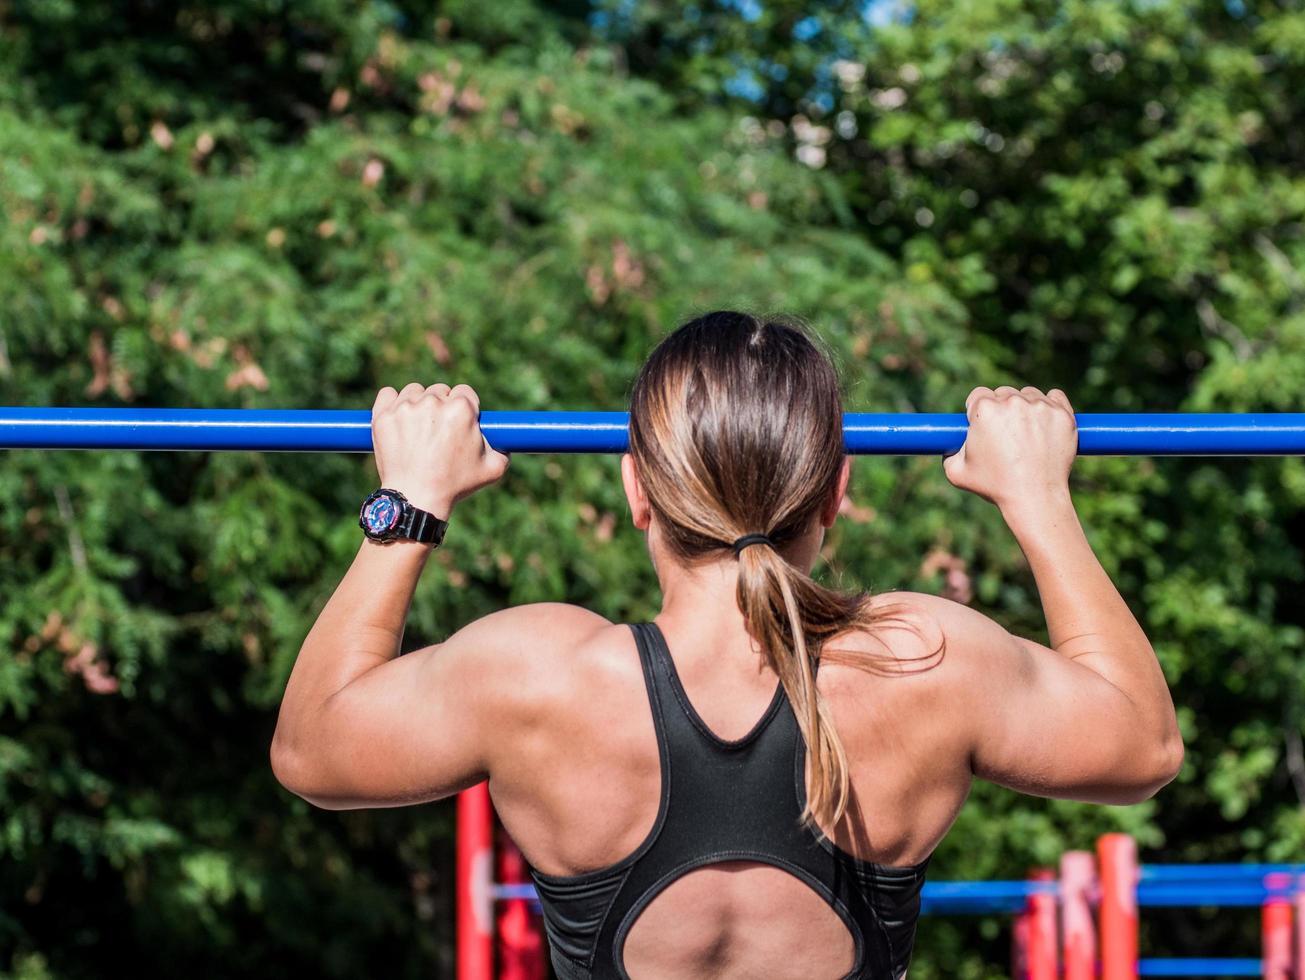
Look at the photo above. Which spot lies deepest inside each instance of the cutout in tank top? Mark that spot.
(725, 801)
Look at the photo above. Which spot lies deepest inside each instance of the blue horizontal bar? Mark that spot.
(291, 430)
(1190, 895)
(1206, 967)
(987, 890)
(980, 897)
(994, 897)
(939, 897)
(1217, 872)
(504, 893)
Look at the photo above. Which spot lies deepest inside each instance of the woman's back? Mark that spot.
(584, 794)
(586, 773)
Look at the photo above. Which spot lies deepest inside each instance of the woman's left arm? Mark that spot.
(341, 738)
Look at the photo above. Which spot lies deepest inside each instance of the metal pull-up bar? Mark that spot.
(284, 430)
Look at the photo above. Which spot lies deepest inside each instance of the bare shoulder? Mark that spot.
(525, 655)
(528, 637)
(536, 620)
(916, 680)
(537, 677)
(907, 631)
(929, 642)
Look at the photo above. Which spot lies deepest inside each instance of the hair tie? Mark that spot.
(748, 539)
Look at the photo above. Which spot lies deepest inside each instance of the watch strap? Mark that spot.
(423, 526)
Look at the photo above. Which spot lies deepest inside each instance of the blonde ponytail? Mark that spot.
(736, 424)
(770, 594)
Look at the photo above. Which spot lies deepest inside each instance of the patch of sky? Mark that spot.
(806, 29)
(881, 13)
(745, 84)
(749, 10)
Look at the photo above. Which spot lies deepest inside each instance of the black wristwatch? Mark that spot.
(386, 515)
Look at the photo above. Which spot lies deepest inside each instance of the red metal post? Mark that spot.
(1298, 926)
(1078, 884)
(475, 868)
(1042, 946)
(1117, 857)
(1275, 932)
(520, 943)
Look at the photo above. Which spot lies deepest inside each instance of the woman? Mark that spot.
(752, 784)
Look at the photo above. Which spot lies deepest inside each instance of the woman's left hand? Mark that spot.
(429, 446)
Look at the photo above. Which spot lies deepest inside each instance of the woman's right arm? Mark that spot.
(1090, 716)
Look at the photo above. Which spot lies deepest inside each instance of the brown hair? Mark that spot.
(736, 427)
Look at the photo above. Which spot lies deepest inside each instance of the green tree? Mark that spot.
(258, 204)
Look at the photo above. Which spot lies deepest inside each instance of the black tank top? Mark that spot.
(725, 801)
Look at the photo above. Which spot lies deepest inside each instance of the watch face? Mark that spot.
(380, 514)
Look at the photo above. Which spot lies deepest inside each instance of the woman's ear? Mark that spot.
(640, 512)
(835, 502)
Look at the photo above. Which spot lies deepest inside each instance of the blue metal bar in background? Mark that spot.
(996, 897)
(1171, 873)
(1189, 895)
(1199, 967)
(289, 430)
(938, 898)
(980, 897)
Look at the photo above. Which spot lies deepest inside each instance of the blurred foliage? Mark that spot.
(252, 203)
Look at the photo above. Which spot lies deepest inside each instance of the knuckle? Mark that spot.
(461, 409)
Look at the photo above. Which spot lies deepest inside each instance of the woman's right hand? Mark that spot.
(1020, 445)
